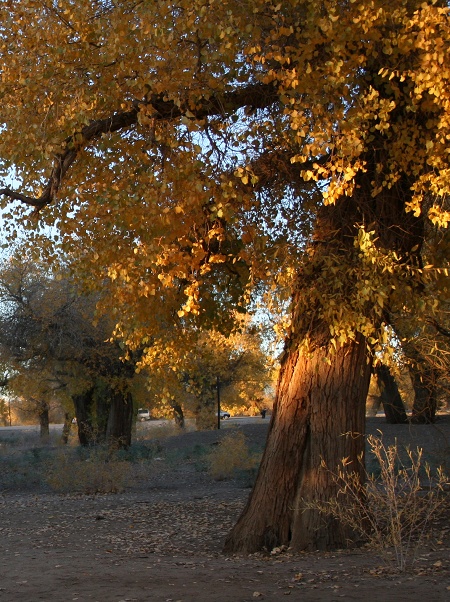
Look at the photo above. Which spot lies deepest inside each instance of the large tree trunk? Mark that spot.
(120, 420)
(394, 409)
(424, 380)
(104, 415)
(206, 411)
(319, 412)
(83, 403)
(319, 415)
(425, 395)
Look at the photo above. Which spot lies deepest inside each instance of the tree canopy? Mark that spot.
(174, 140)
(190, 151)
(172, 143)
(57, 348)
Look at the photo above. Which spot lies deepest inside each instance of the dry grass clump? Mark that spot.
(231, 456)
(170, 429)
(98, 472)
(146, 431)
(393, 509)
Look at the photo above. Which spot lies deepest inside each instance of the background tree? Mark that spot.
(50, 341)
(5, 411)
(389, 395)
(34, 397)
(424, 337)
(427, 358)
(235, 363)
(191, 149)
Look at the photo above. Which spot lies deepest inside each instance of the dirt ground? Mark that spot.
(161, 540)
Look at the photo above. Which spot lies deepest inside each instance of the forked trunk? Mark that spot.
(319, 416)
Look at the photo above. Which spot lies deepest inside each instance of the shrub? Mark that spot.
(395, 505)
(230, 456)
(139, 452)
(99, 472)
(20, 470)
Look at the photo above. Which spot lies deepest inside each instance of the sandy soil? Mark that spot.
(161, 540)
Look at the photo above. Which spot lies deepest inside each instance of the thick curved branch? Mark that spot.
(256, 96)
(65, 158)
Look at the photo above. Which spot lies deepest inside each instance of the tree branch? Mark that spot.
(439, 328)
(254, 95)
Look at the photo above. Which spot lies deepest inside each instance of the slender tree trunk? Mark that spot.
(394, 409)
(178, 415)
(318, 416)
(44, 421)
(67, 427)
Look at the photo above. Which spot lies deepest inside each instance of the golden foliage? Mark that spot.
(183, 148)
(187, 369)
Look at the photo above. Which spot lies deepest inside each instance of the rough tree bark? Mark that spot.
(425, 395)
(319, 414)
(120, 419)
(83, 405)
